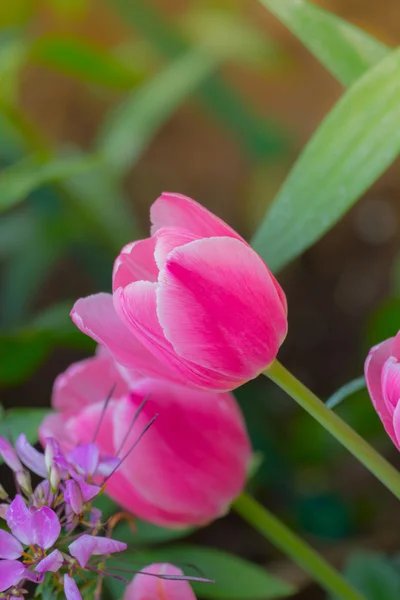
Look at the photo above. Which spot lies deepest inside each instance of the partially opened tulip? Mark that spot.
(195, 295)
(188, 467)
(382, 374)
(151, 584)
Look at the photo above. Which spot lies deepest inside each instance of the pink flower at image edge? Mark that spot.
(382, 374)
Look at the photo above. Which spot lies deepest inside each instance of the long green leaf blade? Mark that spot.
(234, 578)
(130, 127)
(345, 50)
(353, 146)
(19, 180)
(259, 137)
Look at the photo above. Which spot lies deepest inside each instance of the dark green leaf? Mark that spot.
(21, 352)
(84, 60)
(373, 575)
(346, 51)
(234, 577)
(352, 147)
(19, 180)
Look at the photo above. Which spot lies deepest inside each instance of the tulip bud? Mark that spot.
(144, 586)
(196, 296)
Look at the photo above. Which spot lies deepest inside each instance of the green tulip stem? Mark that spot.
(293, 546)
(354, 443)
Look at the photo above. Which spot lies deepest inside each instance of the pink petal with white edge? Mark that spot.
(11, 573)
(134, 263)
(192, 426)
(87, 382)
(169, 238)
(52, 562)
(376, 358)
(71, 590)
(96, 317)
(391, 383)
(177, 210)
(136, 305)
(218, 306)
(10, 547)
(146, 584)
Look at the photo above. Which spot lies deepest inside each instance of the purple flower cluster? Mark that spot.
(53, 528)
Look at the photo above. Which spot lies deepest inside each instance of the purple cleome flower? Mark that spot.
(40, 521)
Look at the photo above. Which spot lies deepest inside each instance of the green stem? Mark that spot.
(354, 443)
(293, 546)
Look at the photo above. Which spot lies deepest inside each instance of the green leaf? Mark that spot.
(346, 51)
(22, 420)
(19, 180)
(259, 137)
(22, 351)
(383, 323)
(102, 206)
(352, 147)
(84, 60)
(345, 391)
(228, 35)
(234, 577)
(373, 575)
(128, 129)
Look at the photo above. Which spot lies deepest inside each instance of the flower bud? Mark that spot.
(144, 586)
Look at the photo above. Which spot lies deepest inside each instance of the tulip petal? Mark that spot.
(11, 573)
(134, 263)
(52, 562)
(218, 305)
(10, 547)
(71, 590)
(96, 317)
(390, 379)
(373, 376)
(87, 382)
(192, 426)
(177, 210)
(53, 425)
(167, 239)
(147, 585)
(136, 305)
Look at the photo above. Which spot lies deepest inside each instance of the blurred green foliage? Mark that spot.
(59, 202)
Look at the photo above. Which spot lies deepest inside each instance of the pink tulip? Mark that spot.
(150, 587)
(194, 302)
(186, 469)
(382, 374)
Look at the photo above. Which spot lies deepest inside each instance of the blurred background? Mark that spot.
(105, 104)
